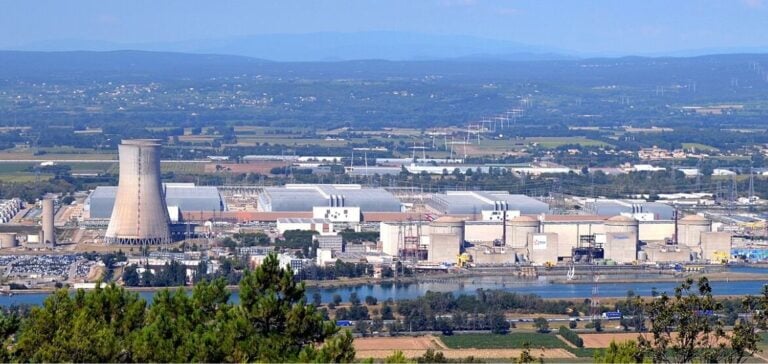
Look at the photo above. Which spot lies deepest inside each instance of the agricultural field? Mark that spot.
(510, 341)
(700, 147)
(29, 155)
(183, 167)
(23, 177)
(412, 347)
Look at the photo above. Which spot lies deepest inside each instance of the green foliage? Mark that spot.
(513, 340)
(571, 336)
(624, 352)
(397, 358)
(350, 236)
(525, 355)
(541, 324)
(272, 323)
(432, 356)
(697, 336)
(499, 324)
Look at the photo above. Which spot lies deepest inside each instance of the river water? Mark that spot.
(541, 287)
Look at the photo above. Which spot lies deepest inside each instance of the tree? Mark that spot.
(598, 325)
(317, 300)
(525, 354)
(370, 300)
(624, 352)
(131, 276)
(541, 324)
(698, 334)
(499, 324)
(94, 326)
(354, 299)
(271, 323)
(396, 358)
(336, 299)
(386, 312)
(432, 356)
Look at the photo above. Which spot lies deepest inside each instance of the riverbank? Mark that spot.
(712, 276)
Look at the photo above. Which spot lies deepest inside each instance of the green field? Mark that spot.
(700, 147)
(23, 177)
(554, 142)
(510, 341)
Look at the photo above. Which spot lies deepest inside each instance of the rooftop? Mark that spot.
(303, 197)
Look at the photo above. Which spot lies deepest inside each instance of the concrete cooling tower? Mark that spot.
(49, 234)
(140, 215)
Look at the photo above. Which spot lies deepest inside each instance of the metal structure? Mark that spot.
(140, 215)
(49, 235)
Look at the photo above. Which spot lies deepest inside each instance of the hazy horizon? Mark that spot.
(590, 28)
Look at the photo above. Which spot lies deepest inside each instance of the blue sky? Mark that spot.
(598, 26)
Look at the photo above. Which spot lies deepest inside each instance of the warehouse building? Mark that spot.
(337, 203)
(639, 209)
(475, 202)
(185, 197)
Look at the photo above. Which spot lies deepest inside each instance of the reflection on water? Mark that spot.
(541, 287)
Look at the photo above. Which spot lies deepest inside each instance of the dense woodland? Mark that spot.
(270, 323)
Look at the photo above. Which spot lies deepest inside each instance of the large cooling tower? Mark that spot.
(49, 234)
(140, 215)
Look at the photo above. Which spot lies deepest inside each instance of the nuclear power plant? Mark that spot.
(140, 215)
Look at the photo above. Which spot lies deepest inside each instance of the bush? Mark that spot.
(571, 336)
(572, 324)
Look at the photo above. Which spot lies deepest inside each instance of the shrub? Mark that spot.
(571, 336)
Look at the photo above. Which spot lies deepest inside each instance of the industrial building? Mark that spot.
(552, 239)
(437, 241)
(474, 202)
(338, 203)
(321, 226)
(641, 210)
(140, 214)
(186, 197)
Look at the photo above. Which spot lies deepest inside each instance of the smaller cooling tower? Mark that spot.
(49, 235)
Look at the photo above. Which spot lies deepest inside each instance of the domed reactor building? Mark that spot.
(140, 215)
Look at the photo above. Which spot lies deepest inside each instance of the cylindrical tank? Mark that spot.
(8, 240)
(140, 215)
(689, 229)
(642, 256)
(49, 235)
(518, 230)
(621, 224)
(448, 225)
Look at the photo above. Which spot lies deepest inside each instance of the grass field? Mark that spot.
(510, 341)
(554, 142)
(22, 177)
(183, 167)
(700, 147)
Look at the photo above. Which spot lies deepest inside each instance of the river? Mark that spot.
(540, 287)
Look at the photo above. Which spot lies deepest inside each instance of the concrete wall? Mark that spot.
(568, 233)
(656, 230)
(621, 247)
(689, 234)
(713, 243)
(389, 234)
(483, 231)
(544, 247)
(443, 247)
(668, 254)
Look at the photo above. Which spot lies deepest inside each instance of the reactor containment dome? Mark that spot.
(140, 215)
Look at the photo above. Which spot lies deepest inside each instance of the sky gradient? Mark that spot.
(599, 26)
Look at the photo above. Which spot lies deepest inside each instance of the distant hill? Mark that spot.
(330, 46)
(34, 65)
